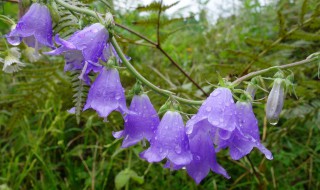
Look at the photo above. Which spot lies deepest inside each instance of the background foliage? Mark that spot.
(43, 147)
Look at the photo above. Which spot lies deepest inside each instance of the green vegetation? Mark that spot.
(43, 147)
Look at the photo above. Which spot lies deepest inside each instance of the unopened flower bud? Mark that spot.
(275, 101)
(251, 89)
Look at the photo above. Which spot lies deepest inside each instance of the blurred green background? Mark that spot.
(43, 147)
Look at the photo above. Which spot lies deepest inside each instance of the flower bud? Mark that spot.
(275, 101)
(251, 89)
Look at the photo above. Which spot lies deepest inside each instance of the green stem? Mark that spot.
(145, 81)
(256, 73)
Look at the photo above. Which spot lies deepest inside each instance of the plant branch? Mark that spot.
(145, 81)
(158, 25)
(158, 46)
(256, 73)
(275, 43)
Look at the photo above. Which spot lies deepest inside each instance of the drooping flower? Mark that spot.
(106, 94)
(220, 111)
(204, 155)
(275, 101)
(35, 28)
(246, 135)
(83, 49)
(170, 141)
(140, 124)
(12, 61)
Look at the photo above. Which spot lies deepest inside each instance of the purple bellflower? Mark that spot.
(35, 28)
(170, 141)
(106, 94)
(140, 124)
(83, 49)
(204, 155)
(275, 101)
(246, 135)
(219, 110)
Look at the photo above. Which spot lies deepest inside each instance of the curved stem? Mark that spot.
(145, 81)
(256, 73)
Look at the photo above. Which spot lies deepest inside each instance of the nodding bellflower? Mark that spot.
(220, 111)
(204, 155)
(246, 135)
(140, 124)
(170, 141)
(275, 101)
(34, 28)
(83, 49)
(106, 94)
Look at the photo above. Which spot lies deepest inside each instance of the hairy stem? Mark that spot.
(256, 73)
(145, 81)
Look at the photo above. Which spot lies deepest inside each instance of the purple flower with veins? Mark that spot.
(220, 111)
(35, 28)
(83, 49)
(106, 94)
(170, 141)
(246, 135)
(140, 124)
(204, 155)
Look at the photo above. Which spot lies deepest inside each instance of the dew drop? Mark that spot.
(177, 149)
(161, 150)
(216, 93)
(198, 157)
(118, 96)
(208, 108)
(273, 121)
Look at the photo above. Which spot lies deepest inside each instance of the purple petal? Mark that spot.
(204, 156)
(170, 140)
(106, 94)
(37, 23)
(142, 123)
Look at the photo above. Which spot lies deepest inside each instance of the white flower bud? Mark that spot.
(275, 101)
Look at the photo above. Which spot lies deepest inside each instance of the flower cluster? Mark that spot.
(219, 124)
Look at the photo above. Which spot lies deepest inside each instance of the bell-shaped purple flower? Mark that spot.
(220, 111)
(35, 28)
(106, 94)
(170, 141)
(140, 124)
(246, 135)
(204, 155)
(83, 49)
(275, 101)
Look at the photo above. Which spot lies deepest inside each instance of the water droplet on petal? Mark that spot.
(216, 93)
(198, 157)
(208, 108)
(177, 149)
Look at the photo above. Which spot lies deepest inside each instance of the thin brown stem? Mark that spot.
(158, 24)
(275, 43)
(253, 169)
(165, 54)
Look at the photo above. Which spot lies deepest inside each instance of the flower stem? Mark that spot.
(145, 81)
(256, 73)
